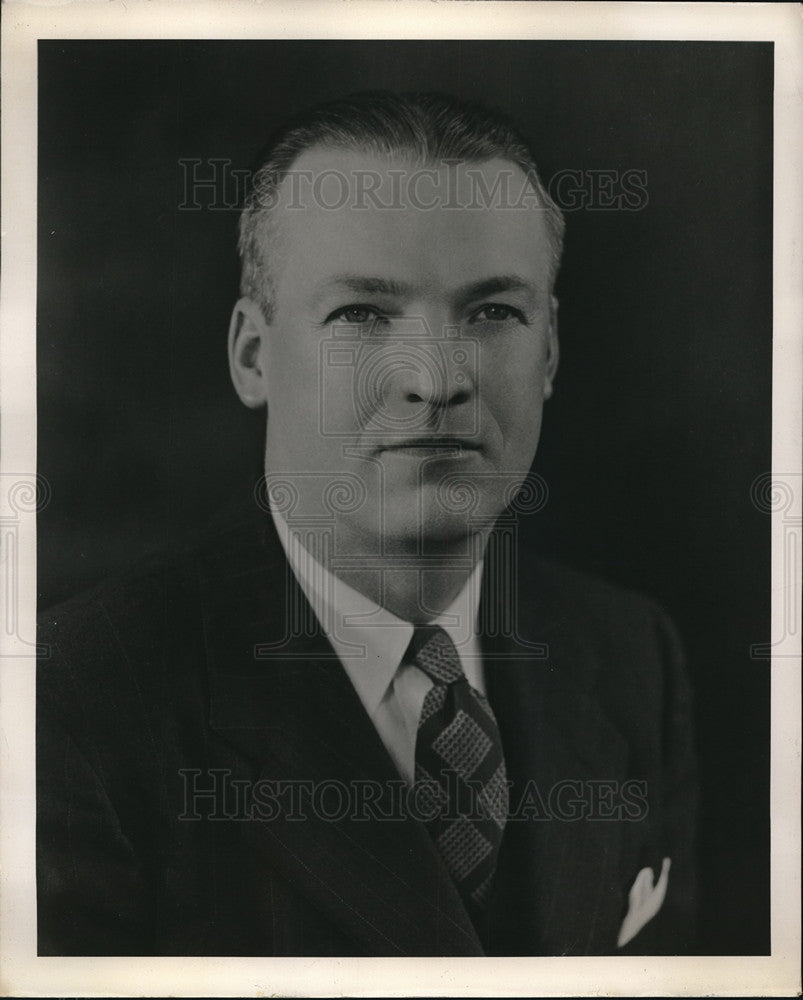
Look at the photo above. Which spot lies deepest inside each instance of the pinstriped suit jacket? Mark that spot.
(177, 709)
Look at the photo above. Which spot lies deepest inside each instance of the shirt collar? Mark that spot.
(369, 640)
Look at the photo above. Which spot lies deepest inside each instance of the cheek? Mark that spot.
(311, 408)
(512, 384)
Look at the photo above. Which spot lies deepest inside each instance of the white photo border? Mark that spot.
(22, 973)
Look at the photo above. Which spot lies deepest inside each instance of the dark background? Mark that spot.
(661, 418)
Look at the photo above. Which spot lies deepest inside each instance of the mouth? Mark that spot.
(425, 446)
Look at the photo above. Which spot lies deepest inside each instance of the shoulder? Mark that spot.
(606, 642)
(128, 611)
(108, 657)
(149, 623)
(566, 599)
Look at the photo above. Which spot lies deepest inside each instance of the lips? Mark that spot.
(431, 444)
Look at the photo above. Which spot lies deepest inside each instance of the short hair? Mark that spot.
(427, 127)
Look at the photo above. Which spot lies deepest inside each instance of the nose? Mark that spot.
(431, 377)
(448, 388)
(418, 376)
(434, 366)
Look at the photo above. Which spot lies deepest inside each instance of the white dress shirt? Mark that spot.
(371, 643)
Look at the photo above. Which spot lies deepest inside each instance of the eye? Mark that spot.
(356, 315)
(496, 312)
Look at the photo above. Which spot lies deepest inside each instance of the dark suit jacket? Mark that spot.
(184, 678)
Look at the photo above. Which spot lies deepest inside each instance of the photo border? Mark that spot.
(21, 972)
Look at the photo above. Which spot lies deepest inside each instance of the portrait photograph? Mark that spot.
(400, 532)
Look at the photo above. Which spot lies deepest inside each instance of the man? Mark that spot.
(356, 720)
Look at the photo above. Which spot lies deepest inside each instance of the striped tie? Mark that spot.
(460, 779)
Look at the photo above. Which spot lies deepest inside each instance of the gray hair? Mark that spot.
(428, 127)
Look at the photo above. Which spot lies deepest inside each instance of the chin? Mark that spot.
(424, 524)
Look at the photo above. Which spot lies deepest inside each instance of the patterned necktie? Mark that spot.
(460, 779)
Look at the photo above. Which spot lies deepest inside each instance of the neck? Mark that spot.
(415, 582)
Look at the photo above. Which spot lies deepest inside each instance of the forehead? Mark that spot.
(431, 224)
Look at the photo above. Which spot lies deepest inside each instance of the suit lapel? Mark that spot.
(291, 715)
(557, 884)
(283, 705)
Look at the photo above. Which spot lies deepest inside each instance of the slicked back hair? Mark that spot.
(427, 128)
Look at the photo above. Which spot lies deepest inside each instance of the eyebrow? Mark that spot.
(368, 285)
(494, 286)
(371, 285)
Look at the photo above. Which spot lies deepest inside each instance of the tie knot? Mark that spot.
(433, 651)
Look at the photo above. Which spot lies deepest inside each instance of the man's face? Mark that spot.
(409, 351)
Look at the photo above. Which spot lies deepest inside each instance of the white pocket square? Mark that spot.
(644, 901)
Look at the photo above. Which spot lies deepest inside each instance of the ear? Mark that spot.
(553, 352)
(248, 334)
